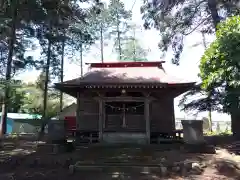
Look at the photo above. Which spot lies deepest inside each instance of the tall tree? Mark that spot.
(33, 98)
(219, 69)
(62, 69)
(16, 27)
(132, 49)
(119, 24)
(19, 23)
(17, 96)
(14, 5)
(50, 38)
(83, 37)
(63, 20)
(100, 24)
(176, 19)
(3, 57)
(203, 101)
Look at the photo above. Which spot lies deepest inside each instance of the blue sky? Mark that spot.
(188, 68)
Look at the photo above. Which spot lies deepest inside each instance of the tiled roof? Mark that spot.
(120, 73)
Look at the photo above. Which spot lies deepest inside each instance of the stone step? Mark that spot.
(116, 164)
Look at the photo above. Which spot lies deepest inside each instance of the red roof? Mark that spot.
(126, 72)
(126, 64)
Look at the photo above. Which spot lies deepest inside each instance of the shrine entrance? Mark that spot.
(124, 117)
(124, 122)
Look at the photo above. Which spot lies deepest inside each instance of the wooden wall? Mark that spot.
(136, 122)
(162, 115)
(133, 123)
(88, 114)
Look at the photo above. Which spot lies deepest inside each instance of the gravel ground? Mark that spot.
(19, 161)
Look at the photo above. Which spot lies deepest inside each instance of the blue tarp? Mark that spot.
(22, 116)
(18, 116)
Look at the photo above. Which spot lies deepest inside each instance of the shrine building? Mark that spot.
(125, 101)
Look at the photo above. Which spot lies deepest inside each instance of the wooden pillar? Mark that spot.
(124, 116)
(104, 114)
(78, 111)
(147, 118)
(100, 124)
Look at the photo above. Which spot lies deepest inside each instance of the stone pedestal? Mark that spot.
(193, 131)
(56, 131)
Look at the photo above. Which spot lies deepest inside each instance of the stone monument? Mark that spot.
(193, 131)
(193, 137)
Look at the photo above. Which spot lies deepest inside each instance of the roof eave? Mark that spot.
(182, 88)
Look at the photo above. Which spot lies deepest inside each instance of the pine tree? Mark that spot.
(119, 24)
(17, 22)
(132, 49)
(176, 19)
(64, 21)
(100, 24)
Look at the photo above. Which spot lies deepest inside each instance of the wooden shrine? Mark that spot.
(125, 101)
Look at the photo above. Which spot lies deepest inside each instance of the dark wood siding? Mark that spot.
(113, 122)
(88, 114)
(162, 115)
(136, 122)
(132, 122)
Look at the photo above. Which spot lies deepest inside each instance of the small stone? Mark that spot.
(203, 165)
(196, 168)
(55, 149)
(183, 171)
(57, 162)
(182, 148)
(163, 170)
(67, 162)
(71, 169)
(176, 169)
(162, 160)
(145, 170)
(36, 162)
(187, 165)
(195, 165)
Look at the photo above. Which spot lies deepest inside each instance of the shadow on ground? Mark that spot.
(22, 160)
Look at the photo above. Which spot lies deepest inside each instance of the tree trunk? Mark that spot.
(233, 97)
(210, 110)
(134, 45)
(6, 97)
(101, 41)
(62, 70)
(81, 55)
(45, 96)
(212, 5)
(210, 120)
(235, 125)
(119, 39)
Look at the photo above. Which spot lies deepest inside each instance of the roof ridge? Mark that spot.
(126, 64)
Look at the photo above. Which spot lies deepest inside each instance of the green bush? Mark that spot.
(217, 133)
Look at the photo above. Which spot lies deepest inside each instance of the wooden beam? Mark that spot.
(100, 124)
(123, 99)
(104, 114)
(78, 110)
(147, 118)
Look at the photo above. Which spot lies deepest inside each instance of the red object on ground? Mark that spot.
(71, 123)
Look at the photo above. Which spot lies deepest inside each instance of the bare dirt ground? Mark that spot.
(22, 160)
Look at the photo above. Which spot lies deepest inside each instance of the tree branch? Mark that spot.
(186, 34)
